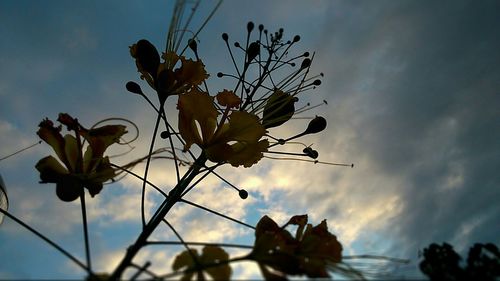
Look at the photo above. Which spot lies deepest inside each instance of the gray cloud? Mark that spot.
(416, 83)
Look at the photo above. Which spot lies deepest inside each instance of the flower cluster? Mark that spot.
(232, 126)
(89, 169)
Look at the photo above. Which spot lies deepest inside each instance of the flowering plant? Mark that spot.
(234, 126)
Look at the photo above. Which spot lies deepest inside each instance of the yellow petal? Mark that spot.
(247, 154)
(196, 107)
(245, 127)
(72, 151)
(191, 72)
(50, 169)
(102, 137)
(52, 136)
(228, 98)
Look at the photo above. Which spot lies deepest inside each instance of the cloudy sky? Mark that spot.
(413, 92)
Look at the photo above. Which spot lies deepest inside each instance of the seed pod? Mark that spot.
(279, 108)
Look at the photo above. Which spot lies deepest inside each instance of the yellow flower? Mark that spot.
(81, 170)
(237, 141)
(162, 76)
(311, 252)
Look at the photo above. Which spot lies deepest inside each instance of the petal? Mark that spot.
(102, 137)
(191, 72)
(247, 154)
(213, 254)
(72, 152)
(244, 126)
(50, 169)
(228, 98)
(52, 136)
(196, 107)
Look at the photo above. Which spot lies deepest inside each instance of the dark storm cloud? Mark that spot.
(424, 78)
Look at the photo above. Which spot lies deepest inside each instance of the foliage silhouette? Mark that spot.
(441, 262)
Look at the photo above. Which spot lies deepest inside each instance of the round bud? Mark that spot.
(225, 37)
(296, 38)
(193, 45)
(220, 74)
(253, 51)
(317, 82)
(243, 194)
(237, 44)
(306, 54)
(250, 26)
(164, 135)
(305, 63)
(133, 88)
(261, 27)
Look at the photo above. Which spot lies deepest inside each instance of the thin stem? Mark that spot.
(151, 146)
(155, 220)
(50, 242)
(216, 213)
(228, 245)
(85, 229)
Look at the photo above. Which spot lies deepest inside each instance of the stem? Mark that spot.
(44, 238)
(85, 229)
(156, 219)
(143, 194)
(228, 245)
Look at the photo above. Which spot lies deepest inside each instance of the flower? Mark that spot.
(310, 252)
(237, 141)
(162, 76)
(78, 170)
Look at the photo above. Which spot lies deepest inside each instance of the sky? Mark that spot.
(413, 93)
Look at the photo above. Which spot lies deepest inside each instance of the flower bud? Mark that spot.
(134, 88)
(316, 125)
(253, 51)
(243, 194)
(147, 56)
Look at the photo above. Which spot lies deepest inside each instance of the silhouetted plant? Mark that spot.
(233, 126)
(443, 263)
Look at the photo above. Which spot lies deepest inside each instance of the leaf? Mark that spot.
(207, 262)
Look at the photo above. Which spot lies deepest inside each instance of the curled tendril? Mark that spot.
(136, 128)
